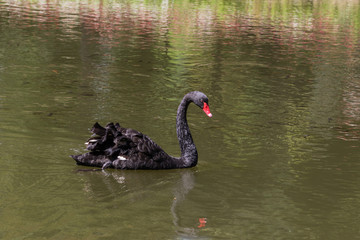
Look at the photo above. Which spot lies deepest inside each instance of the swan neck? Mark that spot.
(188, 149)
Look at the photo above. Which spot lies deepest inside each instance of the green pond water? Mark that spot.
(279, 159)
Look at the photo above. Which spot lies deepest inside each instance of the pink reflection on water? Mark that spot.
(202, 222)
(114, 21)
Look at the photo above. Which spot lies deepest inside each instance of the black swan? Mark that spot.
(125, 148)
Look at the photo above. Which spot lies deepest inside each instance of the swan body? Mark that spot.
(125, 148)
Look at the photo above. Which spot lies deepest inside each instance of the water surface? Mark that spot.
(278, 160)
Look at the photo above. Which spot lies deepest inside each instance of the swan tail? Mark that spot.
(90, 159)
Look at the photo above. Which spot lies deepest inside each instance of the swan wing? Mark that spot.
(124, 147)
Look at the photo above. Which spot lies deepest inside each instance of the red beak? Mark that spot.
(207, 109)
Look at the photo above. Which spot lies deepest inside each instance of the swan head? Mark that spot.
(201, 100)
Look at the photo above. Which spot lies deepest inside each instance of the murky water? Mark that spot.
(279, 159)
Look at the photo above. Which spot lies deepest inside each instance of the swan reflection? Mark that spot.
(180, 191)
(146, 193)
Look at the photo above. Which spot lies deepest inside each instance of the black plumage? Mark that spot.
(125, 148)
